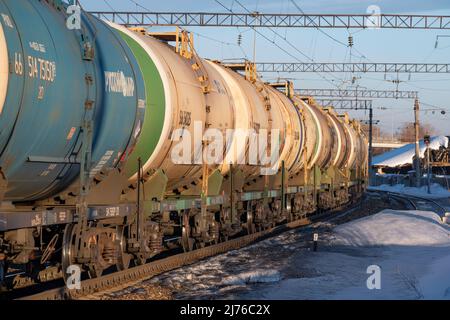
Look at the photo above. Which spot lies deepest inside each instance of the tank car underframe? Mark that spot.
(40, 241)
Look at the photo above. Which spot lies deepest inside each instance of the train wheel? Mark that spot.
(250, 224)
(124, 258)
(68, 245)
(186, 241)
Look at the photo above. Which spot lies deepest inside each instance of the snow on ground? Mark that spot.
(404, 155)
(437, 191)
(394, 228)
(410, 247)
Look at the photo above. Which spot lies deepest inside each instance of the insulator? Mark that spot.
(239, 41)
(350, 41)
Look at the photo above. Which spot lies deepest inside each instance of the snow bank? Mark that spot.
(404, 155)
(410, 247)
(437, 191)
(392, 227)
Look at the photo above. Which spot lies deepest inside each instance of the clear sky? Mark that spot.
(381, 45)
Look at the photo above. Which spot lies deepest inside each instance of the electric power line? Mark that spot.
(276, 44)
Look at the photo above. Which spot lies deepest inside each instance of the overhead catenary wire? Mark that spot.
(276, 44)
(114, 10)
(321, 77)
(362, 56)
(202, 35)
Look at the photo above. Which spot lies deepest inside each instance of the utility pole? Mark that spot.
(426, 140)
(370, 144)
(417, 153)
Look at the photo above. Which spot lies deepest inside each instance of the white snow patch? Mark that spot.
(404, 155)
(392, 227)
(436, 284)
(258, 276)
(411, 248)
(437, 191)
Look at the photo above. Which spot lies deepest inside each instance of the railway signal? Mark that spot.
(315, 240)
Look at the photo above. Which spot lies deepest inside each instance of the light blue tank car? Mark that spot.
(53, 79)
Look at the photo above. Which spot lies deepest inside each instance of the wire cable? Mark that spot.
(276, 44)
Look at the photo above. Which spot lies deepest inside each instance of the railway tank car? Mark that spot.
(50, 72)
(105, 133)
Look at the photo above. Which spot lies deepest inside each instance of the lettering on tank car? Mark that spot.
(7, 21)
(18, 64)
(42, 69)
(112, 211)
(117, 82)
(103, 161)
(39, 47)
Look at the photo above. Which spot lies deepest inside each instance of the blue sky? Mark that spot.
(381, 45)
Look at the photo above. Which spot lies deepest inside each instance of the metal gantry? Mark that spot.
(362, 67)
(358, 93)
(256, 19)
(346, 104)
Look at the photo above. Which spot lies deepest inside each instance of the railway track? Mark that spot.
(136, 274)
(319, 226)
(416, 202)
(125, 278)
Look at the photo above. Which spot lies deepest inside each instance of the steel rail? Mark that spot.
(441, 210)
